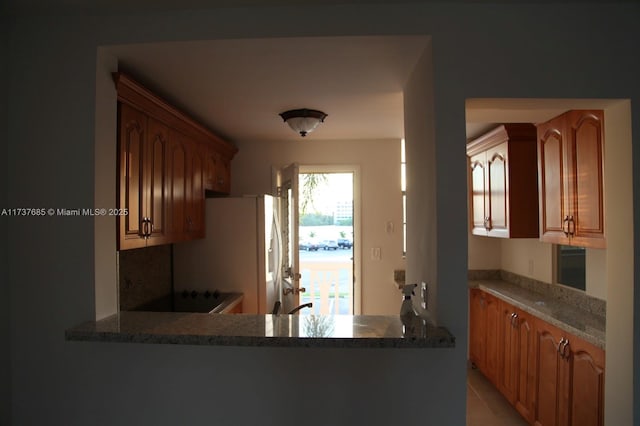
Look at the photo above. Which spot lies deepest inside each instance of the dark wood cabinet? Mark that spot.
(586, 383)
(515, 362)
(503, 182)
(176, 176)
(569, 379)
(484, 331)
(163, 169)
(477, 327)
(570, 150)
(195, 227)
(217, 172)
(141, 187)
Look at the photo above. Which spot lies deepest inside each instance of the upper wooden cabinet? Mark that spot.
(504, 183)
(142, 188)
(570, 169)
(217, 171)
(164, 169)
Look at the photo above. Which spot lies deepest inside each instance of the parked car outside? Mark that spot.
(330, 245)
(308, 245)
(344, 243)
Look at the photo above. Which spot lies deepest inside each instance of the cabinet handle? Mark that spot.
(565, 222)
(571, 226)
(564, 353)
(487, 223)
(145, 227)
(514, 321)
(560, 343)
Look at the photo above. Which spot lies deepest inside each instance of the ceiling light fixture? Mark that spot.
(303, 120)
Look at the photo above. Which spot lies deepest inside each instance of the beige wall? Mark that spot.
(422, 259)
(528, 257)
(106, 271)
(619, 255)
(378, 162)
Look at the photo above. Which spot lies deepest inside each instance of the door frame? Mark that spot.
(357, 236)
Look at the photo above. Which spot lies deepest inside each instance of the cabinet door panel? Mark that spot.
(133, 125)
(177, 186)
(587, 175)
(498, 187)
(477, 327)
(553, 209)
(479, 207)
(492, 337)
(586, 393)
(508, 348)
(526, 365)
(156, 185)
(548, 375)
(195, 191)
(223, 176)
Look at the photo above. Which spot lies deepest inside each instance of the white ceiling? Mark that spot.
(238, 87)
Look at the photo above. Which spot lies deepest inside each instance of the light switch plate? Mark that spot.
(376, 253)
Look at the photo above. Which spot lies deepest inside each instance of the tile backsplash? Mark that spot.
(144, 276)
(569, 295)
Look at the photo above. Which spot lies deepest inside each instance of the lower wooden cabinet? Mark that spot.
(550, 376)
(516, 365)
(569, 386)
(484, 325)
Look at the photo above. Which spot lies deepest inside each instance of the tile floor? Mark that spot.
(486, 406)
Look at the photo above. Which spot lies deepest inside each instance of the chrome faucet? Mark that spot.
(276, 307)
(297, 308)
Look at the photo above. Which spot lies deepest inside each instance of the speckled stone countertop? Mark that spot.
(340, 331)
(567, 317)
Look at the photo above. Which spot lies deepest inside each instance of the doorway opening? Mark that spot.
(327, 232)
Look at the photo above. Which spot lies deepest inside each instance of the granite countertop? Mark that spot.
(563, 315)
(340, 331)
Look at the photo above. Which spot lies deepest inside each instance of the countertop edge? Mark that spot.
(95, 331)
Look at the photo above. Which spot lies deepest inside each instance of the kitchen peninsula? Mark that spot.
(322, 331)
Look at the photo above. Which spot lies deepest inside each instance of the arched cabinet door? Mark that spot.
(131, 177)
(552, 187)
(586, 391)
(498, 189)
(479, 202)
(585, 154)
(570, 171)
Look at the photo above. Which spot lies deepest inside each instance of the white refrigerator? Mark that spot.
(240, 253)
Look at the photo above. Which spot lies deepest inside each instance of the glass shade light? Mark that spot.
(303, 120)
